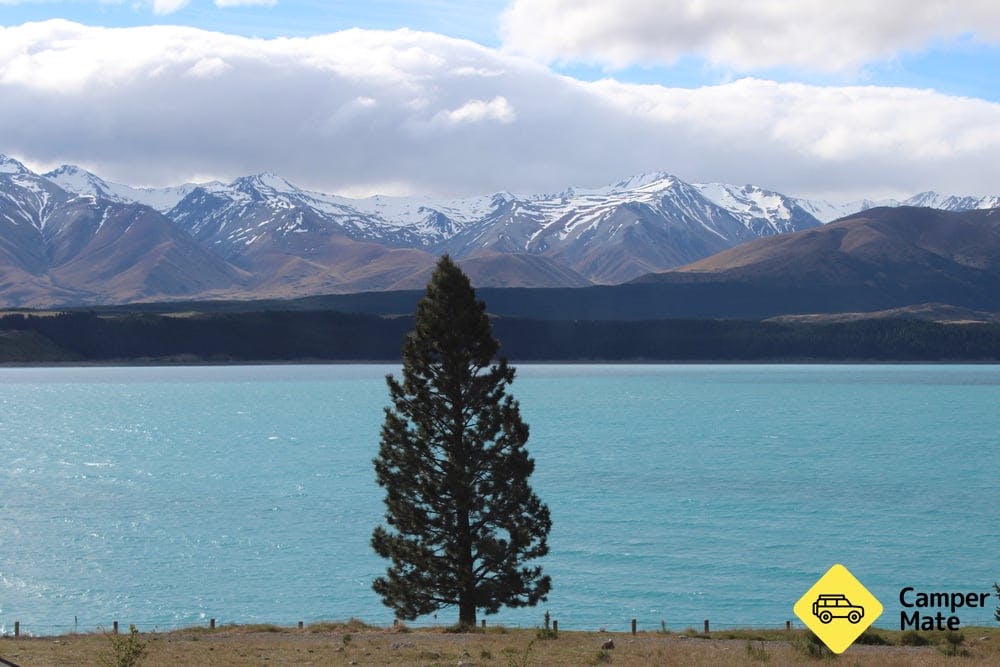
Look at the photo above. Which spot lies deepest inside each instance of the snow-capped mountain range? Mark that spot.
(261, 236)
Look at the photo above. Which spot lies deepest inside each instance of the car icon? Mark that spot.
(828, 607)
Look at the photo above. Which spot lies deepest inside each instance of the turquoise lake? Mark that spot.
(167, 496)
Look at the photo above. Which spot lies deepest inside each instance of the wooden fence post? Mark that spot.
(788, 625)
(706, 626)
(17, 629)
(114, 627)
(484, 623)
(300, 625)
(555, 628)
(633, 626)
(211, 624)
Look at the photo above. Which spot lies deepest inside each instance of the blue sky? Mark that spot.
(477, 21)
(815, 83)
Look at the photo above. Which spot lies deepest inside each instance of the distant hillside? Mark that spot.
(876, 260)
(329, 336)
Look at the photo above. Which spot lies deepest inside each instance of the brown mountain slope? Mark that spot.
(495, 269)
(876, 260)
(116, 253)
(883, 244)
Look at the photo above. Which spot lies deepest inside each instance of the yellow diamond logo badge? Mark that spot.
(838, 608)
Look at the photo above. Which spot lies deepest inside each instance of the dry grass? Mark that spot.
(354, 643)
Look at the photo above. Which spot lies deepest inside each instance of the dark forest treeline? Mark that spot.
(333, 336)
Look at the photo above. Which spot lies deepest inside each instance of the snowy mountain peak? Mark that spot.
(649, 182)
(763, 211)
(656, 180)
(69, 170)
(929, 198)
(932, 199)
(827, 212)
(747, 199)
(9, 165)
(265, 182)
(80, 181)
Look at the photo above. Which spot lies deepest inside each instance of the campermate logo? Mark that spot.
(838, 608)
(926, 611)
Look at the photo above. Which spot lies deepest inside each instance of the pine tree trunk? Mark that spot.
(466, 577)
(467, 614)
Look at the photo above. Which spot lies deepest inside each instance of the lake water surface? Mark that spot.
(167, 496)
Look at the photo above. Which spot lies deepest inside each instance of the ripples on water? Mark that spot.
(166, 496)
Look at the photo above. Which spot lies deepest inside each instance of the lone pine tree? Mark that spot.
(462, 519)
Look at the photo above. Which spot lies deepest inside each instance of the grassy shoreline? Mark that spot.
(355, 643)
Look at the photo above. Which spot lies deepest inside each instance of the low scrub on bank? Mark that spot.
(354, 642)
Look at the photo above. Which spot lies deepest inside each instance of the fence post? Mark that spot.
(211, 624)
(788, 625)
(17, 629)
(555, 628)
(484, 623)
(706, 626)
(114, 627)
(300, 625)
(633, 626)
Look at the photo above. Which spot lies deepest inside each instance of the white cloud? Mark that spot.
(245, 3)
(475, 111)
(164, 7)
(207, 68)
(747, 35)
(356, 110)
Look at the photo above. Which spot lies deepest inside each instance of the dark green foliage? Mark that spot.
(996, 614)
(871, 638)
(913, 638)
(256, 336)
(328, 335)
(462, 518)
(602, 658)
(954, 644)
(124, 650)
(546, 633)
(811, 646)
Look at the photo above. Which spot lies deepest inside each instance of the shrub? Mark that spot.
(124, 650)
(871, 638)
(954, 640)
(912, 638)
(811, 646)
(520, 658)
(603, 657)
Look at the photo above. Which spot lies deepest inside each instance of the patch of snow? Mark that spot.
(9, 165)
(826, 211)
(748, 202)
(79, 181)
